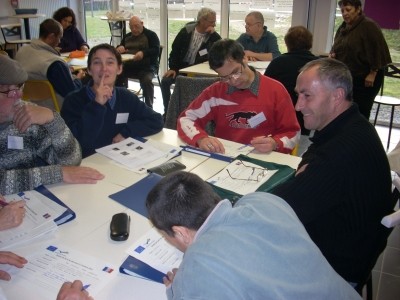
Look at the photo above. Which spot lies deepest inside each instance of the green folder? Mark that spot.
(283, 174)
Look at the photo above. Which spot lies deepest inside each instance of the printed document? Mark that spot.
(241, 177)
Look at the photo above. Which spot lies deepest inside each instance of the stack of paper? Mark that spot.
(42, 215)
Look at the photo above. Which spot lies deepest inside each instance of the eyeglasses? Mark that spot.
(250, 25)
(14, 92)
(233, 76)
(257, 174)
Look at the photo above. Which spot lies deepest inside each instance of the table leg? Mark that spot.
(27, 29)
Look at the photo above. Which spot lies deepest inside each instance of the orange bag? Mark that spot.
(77, 54)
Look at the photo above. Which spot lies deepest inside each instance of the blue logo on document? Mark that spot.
(139, 249)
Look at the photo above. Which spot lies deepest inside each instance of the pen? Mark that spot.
(244, 146)
(85, 287)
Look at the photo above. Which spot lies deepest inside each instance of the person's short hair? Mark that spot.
(48, 27)
(355, 3)
(298, 38)
(180, 199)
(225, 49)
(204, 13)
(104, 47)
(64, 12)
(333, 74)
(258, 16)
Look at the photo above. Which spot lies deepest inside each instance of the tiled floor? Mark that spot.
(386, 274)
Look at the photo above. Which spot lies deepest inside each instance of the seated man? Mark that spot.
(190, 47)
(286, 67)
(256, 249)
(342, 187)
(145, 44)
(37, 147)
(258, 42)
(43, 62)
(246, 107)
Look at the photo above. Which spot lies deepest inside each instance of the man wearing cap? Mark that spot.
(36, 147)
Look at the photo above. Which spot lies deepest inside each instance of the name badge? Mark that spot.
(203, 52)
(15, 142)
(256, 120)
(122, 118)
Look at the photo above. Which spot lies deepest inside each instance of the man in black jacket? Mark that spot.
(190, 47)
(145, 45)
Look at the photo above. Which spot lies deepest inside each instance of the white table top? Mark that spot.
(89, 232)
(203, 69)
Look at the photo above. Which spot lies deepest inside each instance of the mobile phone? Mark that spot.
(119, 227)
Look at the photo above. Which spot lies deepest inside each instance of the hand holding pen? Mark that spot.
(11, 214)
(73, 290)
(264, 144)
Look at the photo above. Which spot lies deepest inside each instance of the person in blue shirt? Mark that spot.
(72, 39)
(258, 42)
(254, 249)
(100, 113)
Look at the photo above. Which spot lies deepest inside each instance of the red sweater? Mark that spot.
(231, 112)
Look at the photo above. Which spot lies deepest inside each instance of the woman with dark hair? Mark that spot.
(72, 38)
(360, 44)
(100, 114)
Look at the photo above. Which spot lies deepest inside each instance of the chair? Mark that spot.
(156, 74)
(186, 89)
(12, 35)
(36, 90)
(117, 29)
(392, 71)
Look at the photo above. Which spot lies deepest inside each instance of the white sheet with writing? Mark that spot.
(155, 251)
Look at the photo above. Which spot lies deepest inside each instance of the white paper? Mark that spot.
(233, 149)
(261, 65)
(81, 62)
(242, 178)
(155, 251)
(40, 213)
(138, 156)
(51, 266)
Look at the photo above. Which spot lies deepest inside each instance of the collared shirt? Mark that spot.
(92, 95)
(267, 44)
(254, 86)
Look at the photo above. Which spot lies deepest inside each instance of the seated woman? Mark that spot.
(100, 113)
(72, 39)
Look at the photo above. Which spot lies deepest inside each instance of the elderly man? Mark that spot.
(256, 249)
(145, 45)
(43, 62)
(190, 47)
(342, 187)
(246, 107)
(258, 42)
(36, 145)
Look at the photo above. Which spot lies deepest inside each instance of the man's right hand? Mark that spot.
(13, 259)
(170, 73)
(121, 49)
(78, 174)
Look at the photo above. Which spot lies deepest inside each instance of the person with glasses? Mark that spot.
(258, 42)
(36, 146)
(245, 106)
(43, 62)
(342, 187)
(255, 249)
(190, 47)
(72, 39)
(145, 45)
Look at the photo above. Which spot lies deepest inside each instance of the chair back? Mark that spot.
(116, 30)
(185, 91)
(12, 35)
(390, 70)
(158, 65)
(38, 90)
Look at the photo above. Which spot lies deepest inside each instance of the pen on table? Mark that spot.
(244, 146)
(85, 287)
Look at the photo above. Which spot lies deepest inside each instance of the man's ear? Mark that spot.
(339, 95)
(183, 234)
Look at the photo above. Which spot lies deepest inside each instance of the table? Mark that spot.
(81, 63)
(89, 232)
(203, 69)
(26, 18)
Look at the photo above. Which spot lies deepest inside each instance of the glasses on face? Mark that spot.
(14, 92)
(257, 174)
(233, 76)
(250, 25)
